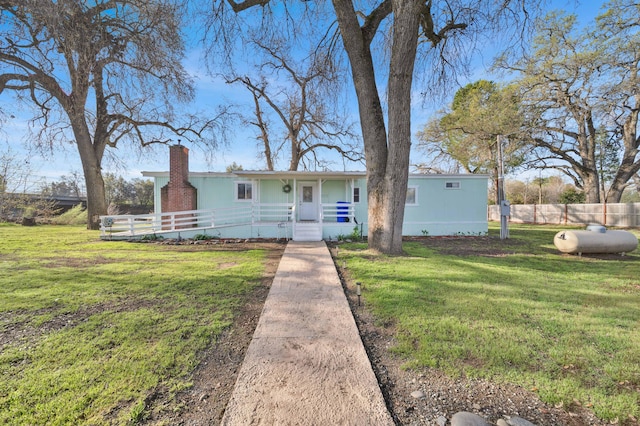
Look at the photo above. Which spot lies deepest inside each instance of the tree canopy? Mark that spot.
(580, 88)
(467, 135)
(297, 114)
(99, 74)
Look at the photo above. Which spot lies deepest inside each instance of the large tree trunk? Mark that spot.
(630, 165)
(295, 155)
(388, 227)
(591, 187)
(96, 199)
(387, 160)
(91, 158)
(370, 110)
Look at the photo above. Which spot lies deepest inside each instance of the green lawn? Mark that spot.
(90, 329)
(517, 311)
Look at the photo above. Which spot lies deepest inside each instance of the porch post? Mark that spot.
(320, 209)
(294, 209)
(350, 198)
(255, 200)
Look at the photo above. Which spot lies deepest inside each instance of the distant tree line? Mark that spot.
(554, 190)
(121, 194)
(20, 197)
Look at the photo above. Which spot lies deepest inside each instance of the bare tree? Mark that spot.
(293, 93)
(435, 30)
(68, 186)
(618, 28)
(101, 73)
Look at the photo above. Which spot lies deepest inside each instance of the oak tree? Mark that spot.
(583, 98)
(100, 74)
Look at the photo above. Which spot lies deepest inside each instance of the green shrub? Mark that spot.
(152, 237)
(75, 216)
(203, 237)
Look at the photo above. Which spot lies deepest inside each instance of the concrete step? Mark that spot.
(307, 232)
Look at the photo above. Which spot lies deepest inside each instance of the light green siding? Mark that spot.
(158, 183)
(443, 211)
(438, 210)
(271, 191)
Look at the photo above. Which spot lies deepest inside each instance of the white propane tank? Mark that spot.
(595, 241)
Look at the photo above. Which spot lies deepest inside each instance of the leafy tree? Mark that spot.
(468, 133)
(540, 183)
(68, 186)
(556, 87)
(630, 195)
(607, 155)
(100, 74)
(572, 196)
(59, 189)
(233, 167)
(144, 192)
(516, 192)
(617, 38)
(437, 32)
(118, 190)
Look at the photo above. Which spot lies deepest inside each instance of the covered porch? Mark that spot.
(302, 206)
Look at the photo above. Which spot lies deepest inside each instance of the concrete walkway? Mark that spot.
(306, 364)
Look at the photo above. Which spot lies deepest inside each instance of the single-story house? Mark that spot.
(301, 205)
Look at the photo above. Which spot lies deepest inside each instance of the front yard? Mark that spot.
(566, 328)
(93, 332)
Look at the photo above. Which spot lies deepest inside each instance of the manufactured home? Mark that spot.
(300, 205)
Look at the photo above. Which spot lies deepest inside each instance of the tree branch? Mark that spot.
(246, 4)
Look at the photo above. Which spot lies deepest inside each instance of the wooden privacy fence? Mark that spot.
(619, 215)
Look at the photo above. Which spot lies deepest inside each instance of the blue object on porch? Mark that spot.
(343, 211)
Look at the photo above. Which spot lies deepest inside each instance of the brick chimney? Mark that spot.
(178, 195)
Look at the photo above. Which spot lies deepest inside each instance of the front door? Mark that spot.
(307, 201)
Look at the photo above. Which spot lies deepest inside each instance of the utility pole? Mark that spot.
(504, 206)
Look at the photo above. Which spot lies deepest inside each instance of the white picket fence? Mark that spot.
(619, 215)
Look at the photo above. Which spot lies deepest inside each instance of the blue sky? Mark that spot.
(210, 92)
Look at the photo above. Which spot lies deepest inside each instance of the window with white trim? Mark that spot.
(412, 196)
(356, 195)
(452, 185)
(244, 191)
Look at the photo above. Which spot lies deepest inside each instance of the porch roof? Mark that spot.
(257, 174)
(265, 174)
